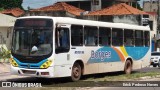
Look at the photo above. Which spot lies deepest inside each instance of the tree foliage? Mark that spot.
(8, 4)
(1, 9)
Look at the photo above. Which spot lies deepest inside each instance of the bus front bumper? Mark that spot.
(46, 73)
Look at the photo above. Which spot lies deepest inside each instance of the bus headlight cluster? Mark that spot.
(46, 64)
(13, 62)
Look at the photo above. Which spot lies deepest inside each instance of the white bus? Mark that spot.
(52, 47)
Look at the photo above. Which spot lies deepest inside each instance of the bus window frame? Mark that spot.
(137, 44)
(82, 36)
(109, 37)
(131, 44)
(122, 38)
(59, 49)
(148, 42)
(95, 37)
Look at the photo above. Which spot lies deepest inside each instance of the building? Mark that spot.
(58, 9)
(7, 20)
(123, 13)
(6, 27)
(153, 26)
(119, 13)
(153, 23)
(91, 5)
(152, 7)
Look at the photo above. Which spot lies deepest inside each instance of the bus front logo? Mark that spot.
(28, 65)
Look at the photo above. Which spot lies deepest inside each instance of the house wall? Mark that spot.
(5, 37)
(153, 18)
(50, 13)
(150, 6)
(129, 19)
(85, 5)
(88, 5)
(6, 29)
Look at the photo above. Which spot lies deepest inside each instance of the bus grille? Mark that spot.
(28, 72)
(29, 66)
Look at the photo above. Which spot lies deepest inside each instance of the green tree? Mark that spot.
(7, 4)
(1, 9)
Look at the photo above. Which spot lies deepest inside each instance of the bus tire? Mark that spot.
(76, 72)
(128, 67)
(154, 65)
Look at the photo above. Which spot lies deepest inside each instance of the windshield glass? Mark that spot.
(32, 37)
(32, 42)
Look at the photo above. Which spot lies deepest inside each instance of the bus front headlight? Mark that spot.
(13, 62)
(46, 64)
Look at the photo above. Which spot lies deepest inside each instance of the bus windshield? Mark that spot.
(32, 40)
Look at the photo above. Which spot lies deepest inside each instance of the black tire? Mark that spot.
(154, 65)
(128, 67)
(76, 72)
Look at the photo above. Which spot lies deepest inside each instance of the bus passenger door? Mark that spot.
(62, 46)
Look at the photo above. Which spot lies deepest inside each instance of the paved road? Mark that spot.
(65, 81)
(125, 88)
(149, 69)
(6, 76)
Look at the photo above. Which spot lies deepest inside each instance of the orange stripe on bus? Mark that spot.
(120, 54)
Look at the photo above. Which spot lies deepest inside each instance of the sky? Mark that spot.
(37, 3)
(41, 3)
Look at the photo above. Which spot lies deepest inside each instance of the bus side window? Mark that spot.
(138, 38)
(91, 36)
(147, 38)
(77, 35)
(104, 36)
(128, 37)
(62, 40)
(117, 37)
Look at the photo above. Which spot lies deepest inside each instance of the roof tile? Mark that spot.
(60, 7)
(118, 9)
(14, 11)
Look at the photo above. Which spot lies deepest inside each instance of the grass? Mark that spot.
(105, 79)
(125, 77)
(99, 80)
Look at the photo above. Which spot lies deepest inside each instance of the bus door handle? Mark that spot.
(73, 48)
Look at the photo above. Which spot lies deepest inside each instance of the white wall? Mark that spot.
(154, 31)
(6, 20)
(6, 27)
(5, 37)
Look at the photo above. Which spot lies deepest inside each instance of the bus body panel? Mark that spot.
(96, 59)
(32, 72)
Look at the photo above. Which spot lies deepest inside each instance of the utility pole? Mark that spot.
(150, 5)
(158, 8)
(158, 24)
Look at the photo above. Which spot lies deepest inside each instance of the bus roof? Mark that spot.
(69, 20)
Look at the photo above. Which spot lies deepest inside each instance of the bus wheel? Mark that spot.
(76, 72)
(154, 65)
(128, 67)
